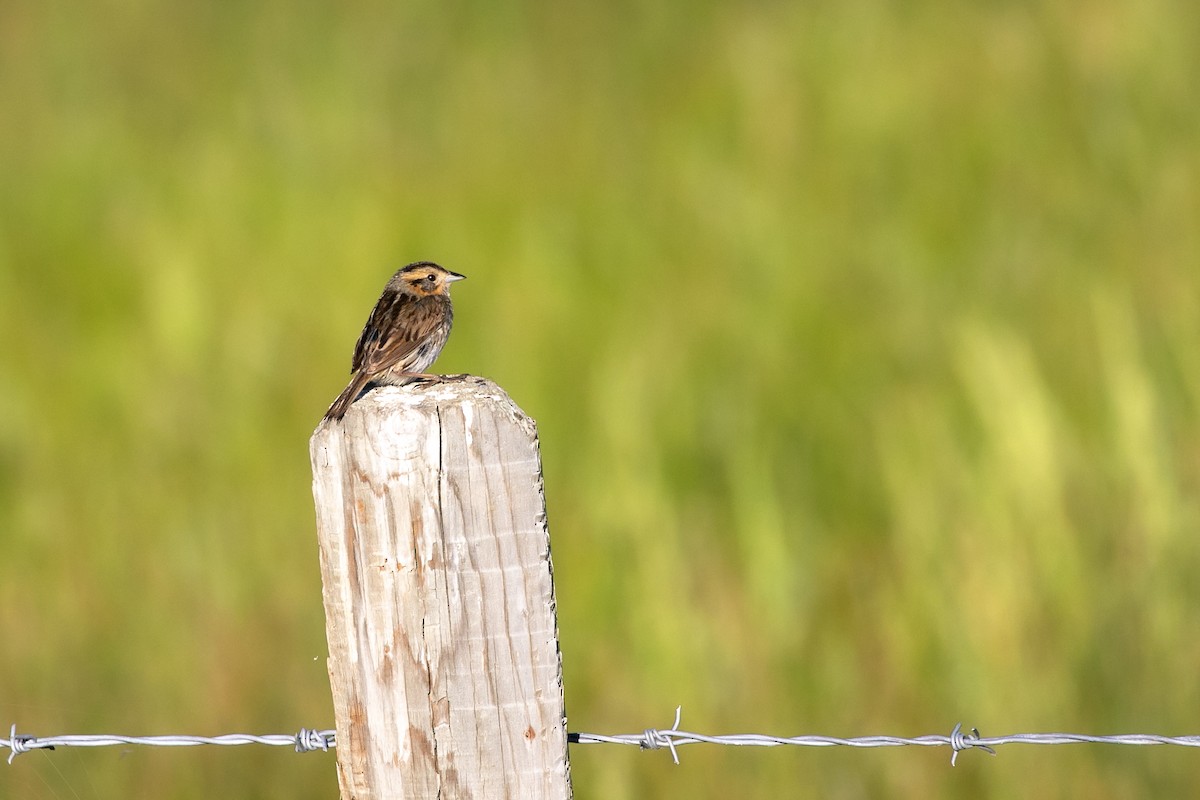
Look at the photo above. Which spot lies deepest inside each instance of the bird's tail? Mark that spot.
(348, 396)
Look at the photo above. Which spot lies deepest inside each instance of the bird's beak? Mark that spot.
(451, 277)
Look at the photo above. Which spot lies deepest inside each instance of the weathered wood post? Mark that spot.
(439, 600)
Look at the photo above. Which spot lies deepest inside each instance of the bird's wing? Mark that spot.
(395, 330)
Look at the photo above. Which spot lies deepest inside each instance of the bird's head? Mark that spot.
(424, 278)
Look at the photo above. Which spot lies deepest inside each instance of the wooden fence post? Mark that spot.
(439, 599)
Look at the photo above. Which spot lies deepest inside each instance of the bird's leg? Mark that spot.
(406, 377)
(420, 376)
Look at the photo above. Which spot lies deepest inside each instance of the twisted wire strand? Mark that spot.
(307, 740)
(304, 741)
(958, 740)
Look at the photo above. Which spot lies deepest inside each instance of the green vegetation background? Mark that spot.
(864, 340)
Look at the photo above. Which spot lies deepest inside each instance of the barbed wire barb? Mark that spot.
(960, 741)
(653, 739)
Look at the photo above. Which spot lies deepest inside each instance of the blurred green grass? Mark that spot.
(861, 338)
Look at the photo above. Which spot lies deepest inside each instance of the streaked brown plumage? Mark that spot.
(405, 333)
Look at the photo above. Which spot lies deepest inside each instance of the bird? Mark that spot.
(405, 333)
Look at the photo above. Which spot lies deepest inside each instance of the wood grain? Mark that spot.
(439, 597)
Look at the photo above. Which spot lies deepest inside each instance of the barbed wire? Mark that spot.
(307, 740)
(304, 741)
(958, 740)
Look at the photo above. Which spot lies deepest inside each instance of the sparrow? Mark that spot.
(405, 333)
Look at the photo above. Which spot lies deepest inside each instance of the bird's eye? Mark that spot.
(431, 279)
